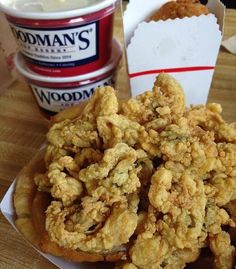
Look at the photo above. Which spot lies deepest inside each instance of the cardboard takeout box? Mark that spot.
(187, 48)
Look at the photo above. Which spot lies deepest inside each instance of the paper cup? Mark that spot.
(65, 43)
(55, 94)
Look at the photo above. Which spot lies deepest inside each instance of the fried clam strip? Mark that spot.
(188, 146)
(151, 250)
(103, 103)
(89, 216)
(155, 110)
(231, 209)
(114, 176)
(221, 183)
(218, 240)
(87, 156)
(215, 218)
(81, 132)
(115, 232)
(65, 187)
(167, 106)
(61, 180)
(177, 260)
(222, 250)
(53, 153)
(181, 198)
(71, 135)
(220, 189)
(116, 128)
(82, 158)
(208, 117)
(167, 98)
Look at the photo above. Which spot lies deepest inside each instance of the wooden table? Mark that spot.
(22, 131)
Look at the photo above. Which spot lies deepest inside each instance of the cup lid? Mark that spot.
(109, 67)
(99, 5)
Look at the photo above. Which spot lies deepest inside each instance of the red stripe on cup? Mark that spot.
(171, 70)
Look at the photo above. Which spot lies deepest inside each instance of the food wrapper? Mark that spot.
(186, 48)
(8, 211)
(7, 50)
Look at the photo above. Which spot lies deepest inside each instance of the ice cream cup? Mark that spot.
(64, 43)
(54, 94)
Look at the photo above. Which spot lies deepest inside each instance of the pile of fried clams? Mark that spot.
(145, 179)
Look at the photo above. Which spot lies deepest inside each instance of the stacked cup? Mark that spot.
(66, 48)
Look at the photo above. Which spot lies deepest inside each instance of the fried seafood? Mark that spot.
(221, 247)
(145, 182)
(164, 102)
(116, 231)
(180, 9)
(209, 118)
(117, 128)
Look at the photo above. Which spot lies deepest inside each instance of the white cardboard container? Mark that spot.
(185, 48)
(8, 211)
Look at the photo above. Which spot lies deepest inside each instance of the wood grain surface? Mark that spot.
(22, 131)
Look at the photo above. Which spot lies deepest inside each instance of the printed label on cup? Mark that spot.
(59, 48)
(57, 99)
